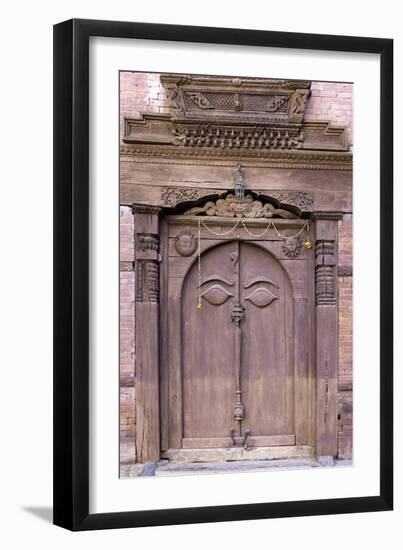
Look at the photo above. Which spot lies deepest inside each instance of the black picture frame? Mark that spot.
(71, 274)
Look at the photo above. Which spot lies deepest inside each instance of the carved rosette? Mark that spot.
(325, 272)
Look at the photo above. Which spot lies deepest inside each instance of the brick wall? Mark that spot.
(332, 101)
(345, 373)
(142, 92)
(127, 373)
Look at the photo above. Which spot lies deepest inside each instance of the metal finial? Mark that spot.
(239, 183)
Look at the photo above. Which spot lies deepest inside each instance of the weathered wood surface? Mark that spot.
(201, 356)
(145, 182)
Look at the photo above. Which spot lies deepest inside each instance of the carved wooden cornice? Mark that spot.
(145, 209)
(303, 159)
(225, 116)
(247, 137)
(334, 216)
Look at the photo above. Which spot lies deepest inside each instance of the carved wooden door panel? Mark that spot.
(236, 382)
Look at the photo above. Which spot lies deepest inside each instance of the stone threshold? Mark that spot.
(165, 468)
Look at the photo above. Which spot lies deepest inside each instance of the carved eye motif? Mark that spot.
(216, 295)
(261, 297)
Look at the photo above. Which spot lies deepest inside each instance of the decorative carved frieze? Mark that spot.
(335, 216)
(176, 195)
(239, 98)
(230, 207)
(325, 272)
(304, 201)
(254, 157)
(237, 137)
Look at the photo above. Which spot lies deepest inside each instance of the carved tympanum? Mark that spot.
(230, 206)
(185, 243)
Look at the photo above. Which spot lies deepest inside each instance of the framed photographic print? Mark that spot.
(223, 274)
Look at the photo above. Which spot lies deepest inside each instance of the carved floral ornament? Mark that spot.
(175, 196)
(231, 207)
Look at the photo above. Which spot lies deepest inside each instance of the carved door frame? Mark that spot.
(151, 310)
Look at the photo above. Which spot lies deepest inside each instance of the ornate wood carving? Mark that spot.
(245, 115)
(292, 247)
(256, 158)
(237, 137)
(279, 100)
(174, 196)
(304, 201)
(230, 207)
(147, 281)
(185, 243)
(325, 272)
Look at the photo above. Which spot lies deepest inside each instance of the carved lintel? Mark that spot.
(345, 271)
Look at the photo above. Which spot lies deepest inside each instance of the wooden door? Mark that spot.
(232, 361)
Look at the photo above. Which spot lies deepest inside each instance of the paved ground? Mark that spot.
(165, 468)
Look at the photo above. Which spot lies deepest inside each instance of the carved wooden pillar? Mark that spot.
(326, 332)
(146, 237)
